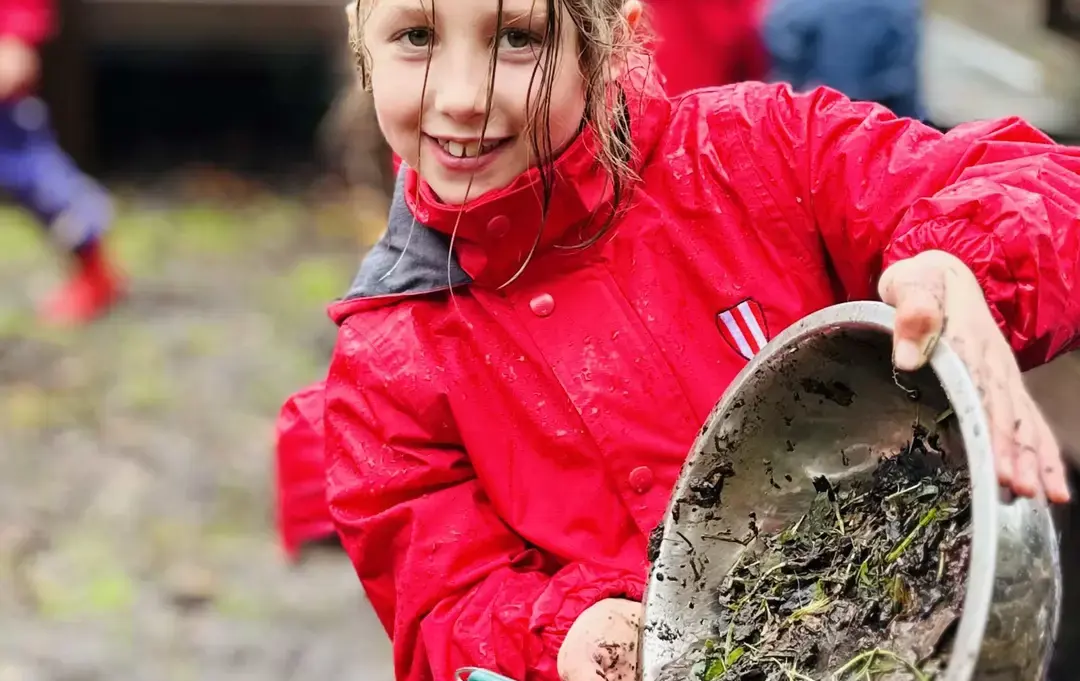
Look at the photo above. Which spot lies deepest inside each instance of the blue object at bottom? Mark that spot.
(472, 674)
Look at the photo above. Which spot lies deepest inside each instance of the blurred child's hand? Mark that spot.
(934, 293)
(19, 67)
(602, 643)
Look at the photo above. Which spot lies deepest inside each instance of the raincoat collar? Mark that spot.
(494, 235)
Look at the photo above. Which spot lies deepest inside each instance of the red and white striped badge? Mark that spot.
(744, 328)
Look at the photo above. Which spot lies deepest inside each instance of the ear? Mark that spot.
(632, 10)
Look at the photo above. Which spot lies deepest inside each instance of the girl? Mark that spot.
(42, 178)
(524, 360)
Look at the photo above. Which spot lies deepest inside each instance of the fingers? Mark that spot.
(1051, 466)
(1027, 457)
(998, 405)
(918, 294)
(933, 291)
(1026, 445)
(615, 655)
(602, 643)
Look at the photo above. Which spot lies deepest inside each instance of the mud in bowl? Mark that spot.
(821, 401)
(867, 584)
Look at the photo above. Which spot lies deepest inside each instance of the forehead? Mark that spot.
(477, 10)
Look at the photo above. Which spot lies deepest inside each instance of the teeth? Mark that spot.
(467, 150)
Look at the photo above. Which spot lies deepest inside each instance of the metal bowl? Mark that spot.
(822, 399)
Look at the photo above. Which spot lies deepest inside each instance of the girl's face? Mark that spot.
(439, 131)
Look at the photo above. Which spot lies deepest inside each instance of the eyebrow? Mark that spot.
(536, 15)
(411, 12)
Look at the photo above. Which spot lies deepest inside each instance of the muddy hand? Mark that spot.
(602, 643)
(934, 293)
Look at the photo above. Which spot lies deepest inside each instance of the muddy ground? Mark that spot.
(136, 526)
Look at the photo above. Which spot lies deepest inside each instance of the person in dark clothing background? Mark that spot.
(34, 171)
(866, 49)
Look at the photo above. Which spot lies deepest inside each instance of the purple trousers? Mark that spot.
(44, 180)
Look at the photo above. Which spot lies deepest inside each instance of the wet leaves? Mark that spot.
(866, 585)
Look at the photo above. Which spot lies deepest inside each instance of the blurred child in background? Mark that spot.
(866, 49)
(36, 173)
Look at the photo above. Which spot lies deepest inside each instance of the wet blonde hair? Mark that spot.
(606, 40)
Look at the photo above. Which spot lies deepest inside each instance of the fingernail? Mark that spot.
(906, 355)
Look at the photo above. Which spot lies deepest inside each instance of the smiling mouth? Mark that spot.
(470, 149)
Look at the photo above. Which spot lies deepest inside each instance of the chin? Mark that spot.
(454, 192)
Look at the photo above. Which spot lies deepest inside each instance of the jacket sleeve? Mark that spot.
(30, 21)
(450, 582)
(873, 189)
(302, 515)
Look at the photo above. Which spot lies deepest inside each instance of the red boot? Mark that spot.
(94, 287)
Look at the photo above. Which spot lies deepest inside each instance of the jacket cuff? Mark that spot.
(570, 593)
(981, 251)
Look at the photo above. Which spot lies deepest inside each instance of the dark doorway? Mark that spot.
(254, 112)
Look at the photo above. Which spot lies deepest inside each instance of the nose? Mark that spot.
(459, 87)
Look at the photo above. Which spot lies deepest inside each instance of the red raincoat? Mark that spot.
(707, 43)
(302, 515)
(497, 457)
(31, 21)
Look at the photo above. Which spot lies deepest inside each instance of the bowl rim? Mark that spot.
(963, 396)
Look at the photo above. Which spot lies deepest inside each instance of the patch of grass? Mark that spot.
(139, 241)
(317, 281)
(15, 321)
(205, 339)
(209, 230)
(21, 238)
(144, 382)
(238, 604)
(82, 576)
(25, 407)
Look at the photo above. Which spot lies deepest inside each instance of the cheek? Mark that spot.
(567, 105)
(397, 104)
